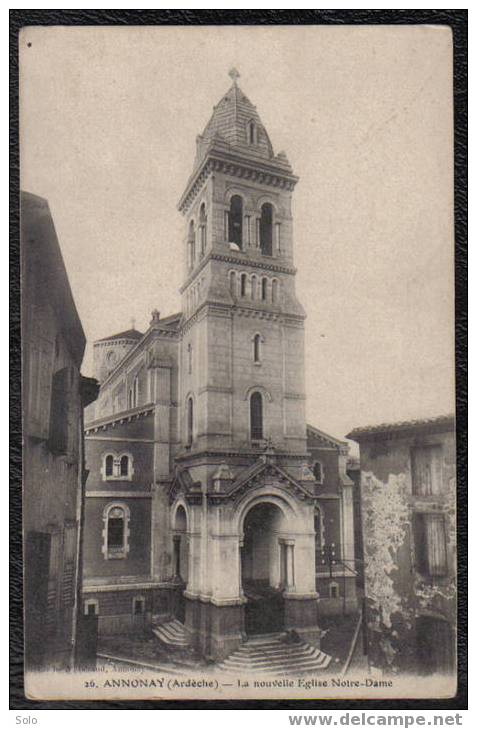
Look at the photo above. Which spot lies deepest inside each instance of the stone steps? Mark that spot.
(172, 633)
(270, 654)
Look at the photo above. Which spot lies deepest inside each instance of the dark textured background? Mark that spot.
(457, 20)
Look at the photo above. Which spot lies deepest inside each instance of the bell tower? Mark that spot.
(242, 358)
(242, 496)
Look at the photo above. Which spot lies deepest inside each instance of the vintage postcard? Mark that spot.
(237, 248)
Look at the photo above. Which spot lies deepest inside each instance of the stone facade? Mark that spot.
(409, 526)
(54, 394)
(214, 425)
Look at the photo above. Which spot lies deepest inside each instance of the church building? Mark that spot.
(209, 500)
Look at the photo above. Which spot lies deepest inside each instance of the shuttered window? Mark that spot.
(426, 467)
(60, 401)
(430, 544)
(38, 387)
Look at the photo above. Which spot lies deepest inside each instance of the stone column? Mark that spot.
(290, 566)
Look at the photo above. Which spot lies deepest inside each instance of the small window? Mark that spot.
(243, 284)
(334, 590)
(264, 289)
(274, 291)
(430, 544)
(233, 278)
(256, 348)
(191, 244)
(190, 421)
(426, 469)
(254, 288)
(203, 230)
(189, 358)
(124, 466)
(318, 472)
(91, 607)
(252, 133)
(109, 463)
(139, 606)
(256, 416)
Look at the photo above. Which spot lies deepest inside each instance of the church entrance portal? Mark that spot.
(264, 569)
(181, 563)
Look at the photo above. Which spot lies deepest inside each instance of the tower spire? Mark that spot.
(234, 75)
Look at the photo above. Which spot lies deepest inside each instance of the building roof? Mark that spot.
(170, 322)
(440, 422)
(41, 252)
(230, 122)
(328, 440)
(128, 334)
(226, 139)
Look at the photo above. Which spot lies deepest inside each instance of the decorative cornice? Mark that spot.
(119, 494)
(125, 417)
(240, 258)
(256, 170)
(87, 588)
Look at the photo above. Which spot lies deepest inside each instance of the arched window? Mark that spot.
(256, 416)
(203, 229)
(130, 398)
(254, 288)
(117, 467)
(252, 133)
(115, 531)
(191, 244)
(243, 284)
(135, 392)
(264, 289)
(257, 340)
(109, 463)
(190, 420)
(124, 466)
(274, 291)
(266, 230)
(235, 220)
(233, 281)
(318, 472)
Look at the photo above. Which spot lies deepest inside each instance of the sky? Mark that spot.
(108, 121)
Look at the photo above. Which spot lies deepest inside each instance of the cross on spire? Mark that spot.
(234, 75)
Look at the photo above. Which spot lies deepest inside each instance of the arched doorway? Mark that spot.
(264, 569)
(180, 561)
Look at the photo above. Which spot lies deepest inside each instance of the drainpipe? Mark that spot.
(89, 389)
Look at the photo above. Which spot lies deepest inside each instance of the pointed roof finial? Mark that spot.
(133, 323)
(234, 75)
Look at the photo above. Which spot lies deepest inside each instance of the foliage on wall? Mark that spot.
(386, 519)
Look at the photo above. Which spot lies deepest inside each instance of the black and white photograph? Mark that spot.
(238, 378)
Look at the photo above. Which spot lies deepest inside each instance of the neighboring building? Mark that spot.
(54, 394)
(335, 559)
(408, 491)
(205, 500)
